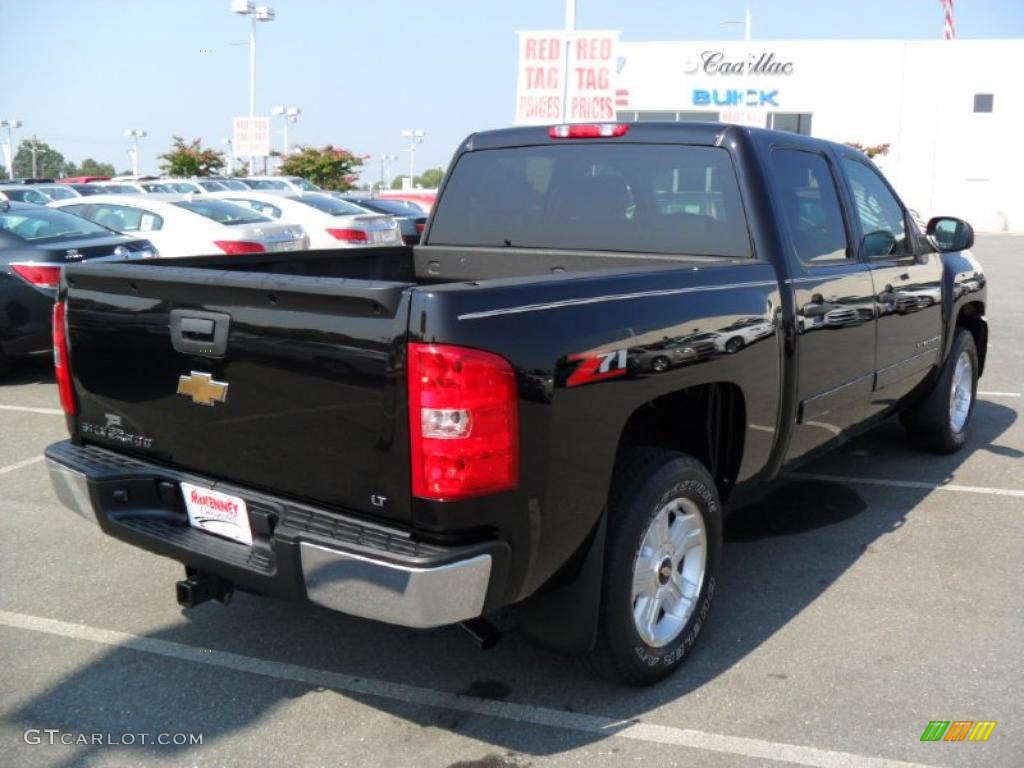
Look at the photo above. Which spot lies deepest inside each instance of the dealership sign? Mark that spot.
(734, 97)
(566, 76)
(251, 137)
(716, 63)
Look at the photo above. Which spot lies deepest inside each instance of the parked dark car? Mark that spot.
(86, 188)
(23, 193)
(411, 219)
(35, 243)
(425, 435)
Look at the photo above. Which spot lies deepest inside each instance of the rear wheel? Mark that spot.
(664, 545)
(939, 423)
(734, 345)
(5, 365)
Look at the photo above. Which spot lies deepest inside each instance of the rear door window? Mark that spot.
(806, 193)
(641, 198)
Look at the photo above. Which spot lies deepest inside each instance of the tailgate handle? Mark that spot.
(197, 328)
(195, 332)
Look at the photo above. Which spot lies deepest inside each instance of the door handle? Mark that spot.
(195, 332)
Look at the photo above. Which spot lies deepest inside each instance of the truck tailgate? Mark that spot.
(310, 364)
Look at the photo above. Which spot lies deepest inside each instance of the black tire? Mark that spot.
(647, 479)
(734, 345)
(660, 364)
(928, 423)
(5, 365)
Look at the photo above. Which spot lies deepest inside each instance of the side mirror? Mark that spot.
(878, 243)
(948, 233)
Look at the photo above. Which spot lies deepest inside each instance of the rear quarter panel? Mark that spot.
(569, 427)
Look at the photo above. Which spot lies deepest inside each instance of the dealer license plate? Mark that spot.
(217, 513)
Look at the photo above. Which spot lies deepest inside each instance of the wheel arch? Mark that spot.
(705, 421)
(972, 317)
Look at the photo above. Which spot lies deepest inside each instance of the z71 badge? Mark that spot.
(597, 366)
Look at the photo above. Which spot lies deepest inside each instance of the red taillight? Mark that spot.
(61, 367)
(350, 235)
(588, 131)
(420, 226)
(234, 247)
(40, 275)
(463, 422)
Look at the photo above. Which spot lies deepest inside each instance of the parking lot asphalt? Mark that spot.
(875, 591)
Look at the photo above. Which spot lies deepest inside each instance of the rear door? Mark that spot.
(907, 278)
(834, 300)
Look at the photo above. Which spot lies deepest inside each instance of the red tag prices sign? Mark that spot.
(592, 58)
(566, 77)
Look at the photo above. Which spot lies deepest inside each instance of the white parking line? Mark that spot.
(999, 394)
(20, 464)
(26, 409)
(909, 484)
(521, 713)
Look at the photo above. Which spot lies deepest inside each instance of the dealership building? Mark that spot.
(951, 112)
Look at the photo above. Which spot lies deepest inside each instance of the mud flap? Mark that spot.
(565, 617)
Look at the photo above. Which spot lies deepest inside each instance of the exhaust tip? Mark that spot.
(483, 631)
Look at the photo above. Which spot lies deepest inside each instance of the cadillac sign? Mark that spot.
(716, 63)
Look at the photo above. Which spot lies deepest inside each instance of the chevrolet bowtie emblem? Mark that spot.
(202, 388)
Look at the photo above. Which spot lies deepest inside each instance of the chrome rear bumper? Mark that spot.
(415, 593)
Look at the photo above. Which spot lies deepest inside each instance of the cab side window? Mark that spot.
(882, 218)
(810, 206)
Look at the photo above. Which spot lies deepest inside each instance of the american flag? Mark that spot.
(950, 31)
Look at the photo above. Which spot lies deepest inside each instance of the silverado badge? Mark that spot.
(202, 388)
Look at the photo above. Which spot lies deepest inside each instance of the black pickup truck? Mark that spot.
(609, 334)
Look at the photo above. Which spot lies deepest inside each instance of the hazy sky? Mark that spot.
(78, 72)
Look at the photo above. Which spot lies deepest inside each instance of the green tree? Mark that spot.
(90, 167)
(328, 167)
(396, 183)
(191, 159)
(49, 162)
(430, 178)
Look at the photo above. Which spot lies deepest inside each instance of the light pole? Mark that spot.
(256, 13)
(415, 137)
(10, 125)
(231, 155)
(290, 115)
(384, 161)
(135, 134)
(747, 22)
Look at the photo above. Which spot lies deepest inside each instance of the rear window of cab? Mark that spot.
(640, 198)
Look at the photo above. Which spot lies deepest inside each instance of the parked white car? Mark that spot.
(744, 331)
(280, 183)
(185, 225)
(330, 223)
